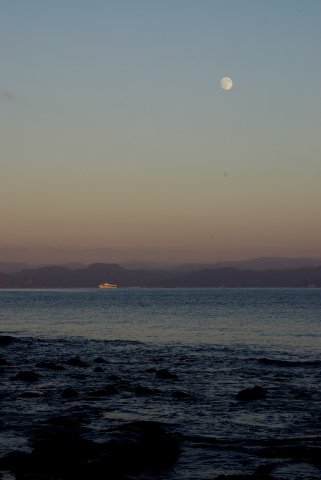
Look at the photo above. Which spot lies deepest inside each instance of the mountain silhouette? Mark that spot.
(93, 275)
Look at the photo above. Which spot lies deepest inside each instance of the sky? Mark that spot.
(118, 143)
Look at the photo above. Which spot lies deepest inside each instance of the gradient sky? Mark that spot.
(117, 142)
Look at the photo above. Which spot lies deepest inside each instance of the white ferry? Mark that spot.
(107, 285)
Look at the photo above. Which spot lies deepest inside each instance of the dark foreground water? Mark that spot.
(212, 343)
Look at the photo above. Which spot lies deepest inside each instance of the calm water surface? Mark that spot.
(280, 319)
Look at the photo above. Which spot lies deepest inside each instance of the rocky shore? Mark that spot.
(75, 410)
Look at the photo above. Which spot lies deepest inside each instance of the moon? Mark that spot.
(226, 83)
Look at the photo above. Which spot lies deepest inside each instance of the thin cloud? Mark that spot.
(7, 94)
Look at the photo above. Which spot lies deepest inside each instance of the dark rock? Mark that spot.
(143, 445)
(27, 376)
(124, 385)
(154, 446)
(312, 454)
(265, 469)
(254, 476)
(36, 476)
(76, 362)
(64, 454)
(151, 370)
(98, 369)
(145, 391)
(3, 361)
(165, 374)
(62, 451)
(50, 366)
(17, 462)
(69, 393)
(104, 392)
(6, 340)
(111, 389)
(79, 376)
(181, 394)
(157, 359)
(289, 363)
(276, 362)
(281, 379)
(68, 422)
(31, 394)
(100, 360)
(302, 395)
(255, 393)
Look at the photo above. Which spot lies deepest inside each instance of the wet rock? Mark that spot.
(98, 369)
(104, 392)
(50, 366)
(273, 361)
(31, 394)
(181, 394)
(254, 476)
(111, 389)
(289, 363)
(100, 360)
(27, 376)
(145, 391)
(255, 393)
(157, 359)
(137, 447)
(165, 374)
(68, 422)
(64, 454)
(6, 340)
(76, 362)
(3, 361)
(154, 446)
(36, 476)
(69, 393)
(281, 379)
(302, 395)
(124, 385)
(265, 469)
(17, 462)
(79, 376)
(298, 452)
(151, 370)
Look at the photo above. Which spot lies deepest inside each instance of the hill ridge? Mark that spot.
(92, 275)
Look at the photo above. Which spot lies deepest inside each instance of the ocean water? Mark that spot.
(216, 342)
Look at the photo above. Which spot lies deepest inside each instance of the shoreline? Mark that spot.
(138, 418)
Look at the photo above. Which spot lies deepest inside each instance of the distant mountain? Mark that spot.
(11, 267)
(72, 265)
(261, 263)
(233, 277)
(91, 276)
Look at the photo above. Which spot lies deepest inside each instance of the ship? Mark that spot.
(107, 285)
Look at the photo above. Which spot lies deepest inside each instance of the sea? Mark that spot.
(211, 344)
